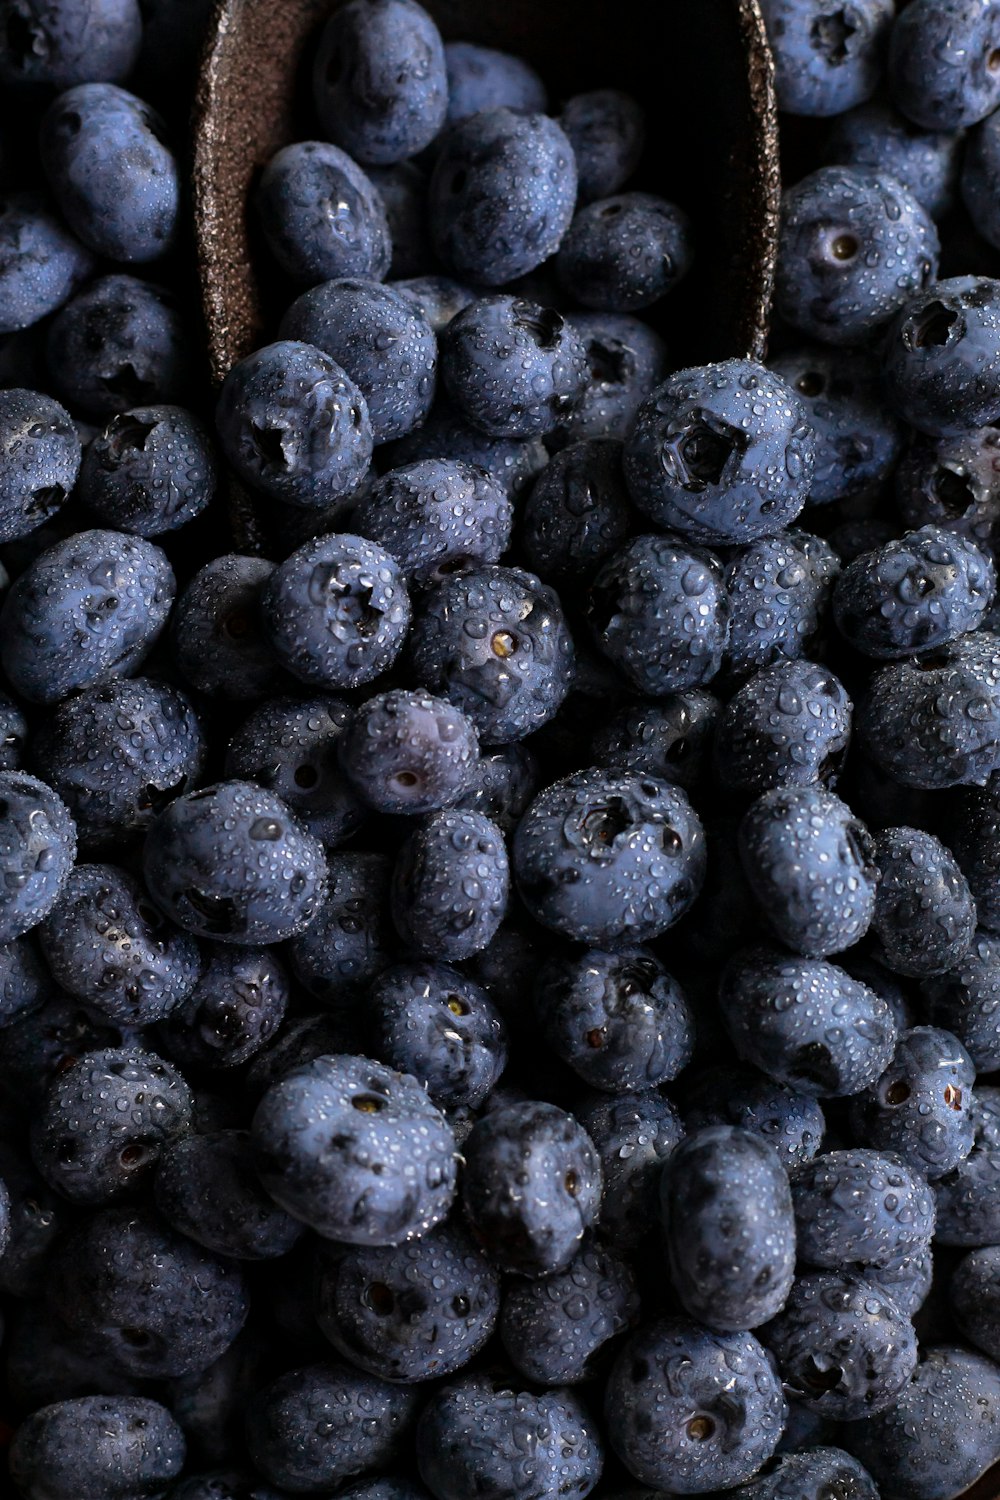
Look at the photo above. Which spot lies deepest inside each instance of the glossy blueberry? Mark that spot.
(633, 1135)
(350, 940)
(434, 1022)
(532, 1186)
(578, 512)
(13, 735)
(25, 983)
(512, 462)
(924, 916)
(967, 1197)
(293, 424)
(607, 130)
(321, 215)
(34, 1217)
(790, 1122)
(356, 1151)
(860, 1208)
(974, 1293)
(109, 1447)
(505, 780)
(409, 752)
(39, 1045)
(37, 849)
(410, 1312)
(779, 591)
(484, 78)
(726, 1211)
(941, 69)
(827, 60)
(965, 1000)
(921, 1105)
(450, 885)
(104, 1121)
(559, 1329)
(618, 1019)
(925, 161)
(810, 1475)
(380, 85)
(403, 191)
(207, 1190)
(84, 612)
(218, 641)
(388, 1487)
(41, 263)
(722, 453)
(690, 1410)
(626, 360)
(151, 470)
(234, 1010)
(941, 357)
(952, 482)
(381, 339)
(805, 1022)
(670, 738)
(598, 265)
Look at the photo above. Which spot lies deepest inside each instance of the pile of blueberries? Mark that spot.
(500, 1000)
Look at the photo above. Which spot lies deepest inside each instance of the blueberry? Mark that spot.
(151, 470)
(827, 60)
(403, 191)
(235, 1008)
(85, 612)
(106, 944)
(920, 1107)
(24, 982)
(659, 611)
(633, 1135)
(41, 263)
(52, 42)
(380, 85)
(107, 1447)
(925, 916)
(224, 1485)
(805, 1022)
(39, 1045)
(974, 838)
(968, 1203)
(484, 78)
(965, 1000)
(450, 885)
(388, 1487)
(925, 161)
(789, 725)
(598, 264)
(942, 72)
(607, 130)
(626, 360)
(356, 1151)
(532, 1186)
(505, 780)
(690, 1410)
(779, 591)
(722, 453)
(37, 849)
(941, 358)
(117, 344)
(618, 1019)
(860, 1208)
(336, 612)
(854, 246)
(381, 340)
(218, 641)
(974, 1293)
(726, 1210)
(35, 1217)
(512, 462)
(294, 425)
(230, 862)
(670, 738)
(291, 747)
(301, 1040)
(411, 1312)
(207, 1190)
(409, 752)
(39, 461)
(813, 1474)
(321, 215)
(436, 1023)
(952, 482)
(438, 298)
(810, 864)
(790, 1122)
(350, 940)
(578, 512)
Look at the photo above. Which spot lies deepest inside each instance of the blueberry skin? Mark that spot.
(383, 342)
(877, 135)
(860, 1208)
(47, 42)
(436, 1023)
(726, 1211)
(151, 470)
(531, 1188)
(942, 1433)
(116, 755)
(25, 982)
(207, 1190)
(437, 517)
(413, 1312)
(226, 1485)
(790, 1122)
(597, 263)
(484, 78)
(291, 747)
(160, 1305)
(512, 368)
(951, 482)
(722, 454)
(965, 1000)
(810, 864)
(41, 263)
(494, 642)
(609, 857)
(119, 343)
(920, 1107)
(321, 215)
(512, 462)
(941, 357)
(789, 725)
(968, 1204)
(450, 885)
(218, 641)
(115, 181)
(385, 1488)
(670, 738)
(936, 724)
(40, 1044)
(805, 1022)
(913, 594)
(980, 169)
(85, 612)
(105, 1119)
(826, 63)
(505, 781)
(811, 1475)
(351, 939)
(438, 298)
(577, 514)
(607, 130)
(974, 1293)
(858, 439)
(294, 425)
(336, 612)
(626, 360)
(633, 1135)
(234, 1010)
(356, 1151)
(502, 195)
(925, 917)
(854, 246)
(110, 1447)
(618, 1019)
(779, 592)
(403, 191)
(408, 752)
(974, 839)
(231, 863)
(13, 735)
(691, 1410)
(380, 85)
(106, 943)
(658, 610)
(37, 849)
(941, 73)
